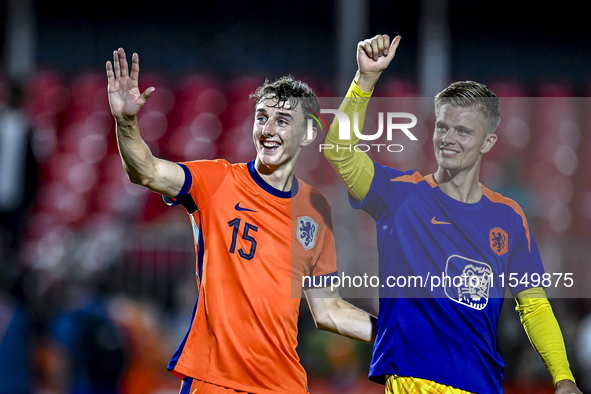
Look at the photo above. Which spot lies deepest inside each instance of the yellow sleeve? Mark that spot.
(544, 332)
(353, 166)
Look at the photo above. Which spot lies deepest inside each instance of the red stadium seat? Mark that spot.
(88, 95)
(163, 98)
(240, 106)
(46, 92)
(196, 94)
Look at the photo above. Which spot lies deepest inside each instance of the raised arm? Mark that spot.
(355, 167)
(332, 313)
(125, 100)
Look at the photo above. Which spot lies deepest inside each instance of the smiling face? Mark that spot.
(279, 133)
(460, 139)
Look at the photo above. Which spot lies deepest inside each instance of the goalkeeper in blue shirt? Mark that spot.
(443, 340)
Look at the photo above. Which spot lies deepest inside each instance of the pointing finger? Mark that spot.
(135, 66)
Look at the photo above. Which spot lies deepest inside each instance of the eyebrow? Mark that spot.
(285, 114)
(442, 123)
(280, 113)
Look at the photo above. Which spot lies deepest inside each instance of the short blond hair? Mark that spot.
(470, 94)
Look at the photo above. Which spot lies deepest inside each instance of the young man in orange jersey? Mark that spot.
(257, 230)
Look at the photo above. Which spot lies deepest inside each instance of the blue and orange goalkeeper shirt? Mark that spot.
(254, 244)
(445, 266)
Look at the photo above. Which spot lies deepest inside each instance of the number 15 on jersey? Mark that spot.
(235, 224)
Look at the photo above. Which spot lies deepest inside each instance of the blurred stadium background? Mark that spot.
(96, 273)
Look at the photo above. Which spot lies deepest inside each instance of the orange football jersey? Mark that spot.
(254, 243)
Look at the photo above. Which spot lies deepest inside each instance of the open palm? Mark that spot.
(125, 97)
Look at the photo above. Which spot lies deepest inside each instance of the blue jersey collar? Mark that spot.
(270, 189)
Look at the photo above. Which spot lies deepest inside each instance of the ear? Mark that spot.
(309, 136)
(489, 141)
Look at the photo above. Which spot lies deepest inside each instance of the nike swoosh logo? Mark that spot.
(239, 208)
(438, 222)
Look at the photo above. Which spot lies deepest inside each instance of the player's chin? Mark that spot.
(447, 164)
(270, 157)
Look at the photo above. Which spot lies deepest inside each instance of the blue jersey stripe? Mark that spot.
(197, 232)
(183, 198)
(199, 272)
(177, 354)
(186, 387)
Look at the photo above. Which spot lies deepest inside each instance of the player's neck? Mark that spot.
(278, 177)
(461, 185)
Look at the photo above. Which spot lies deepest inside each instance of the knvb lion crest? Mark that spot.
(469, 281)
(474, 288)
(499, 241)
(307, 229)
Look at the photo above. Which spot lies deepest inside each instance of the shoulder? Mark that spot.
(314, 199)
(216, 163)
(312, 194)
(498, 198)
(395, 175)
(213, 170)
(406, 178)
(511, 209)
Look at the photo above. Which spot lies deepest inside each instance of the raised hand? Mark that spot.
(125, 98)
(373, 57)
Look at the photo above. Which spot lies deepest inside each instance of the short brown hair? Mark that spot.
(472, 94)
(288, 90)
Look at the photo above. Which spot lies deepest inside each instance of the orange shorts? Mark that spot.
(194, 386)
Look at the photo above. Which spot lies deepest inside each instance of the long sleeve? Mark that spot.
(353, 166)
(544, 332)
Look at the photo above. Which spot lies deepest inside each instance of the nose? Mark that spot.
(268, 129)
(449, 137)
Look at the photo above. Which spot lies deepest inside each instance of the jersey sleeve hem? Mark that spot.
(183, 198)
